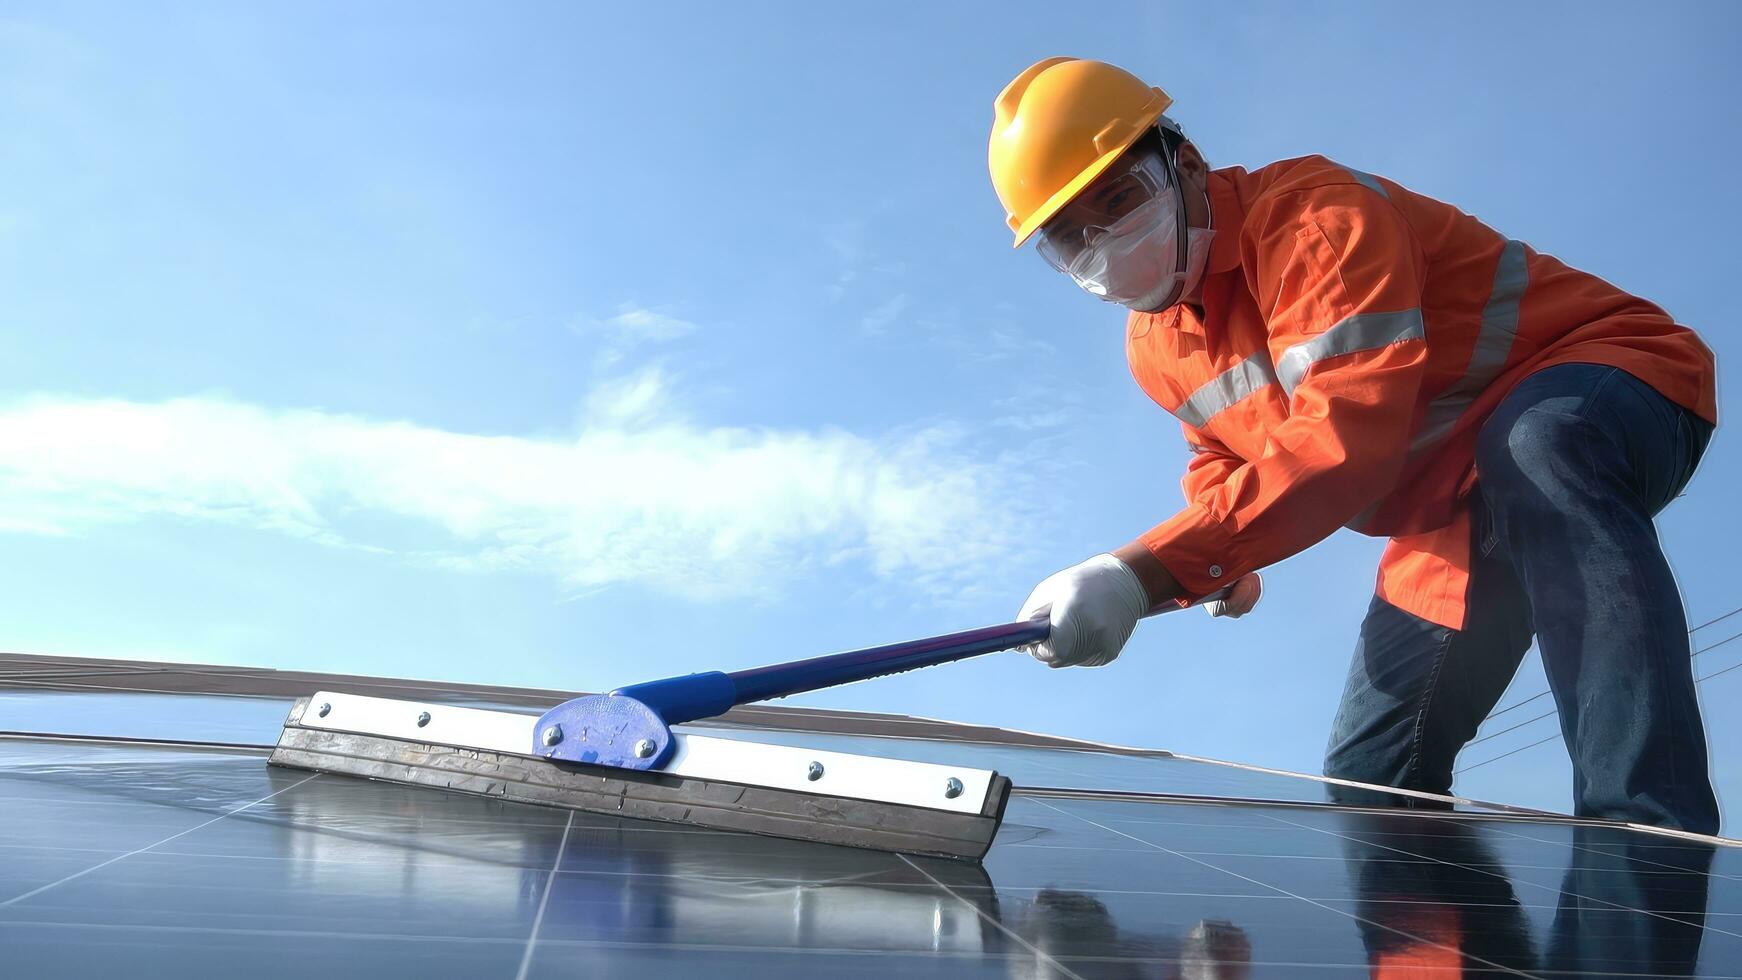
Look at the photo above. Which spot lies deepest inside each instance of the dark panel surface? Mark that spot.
(144, 861)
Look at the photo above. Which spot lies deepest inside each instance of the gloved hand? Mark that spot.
(1092, 606)
(1242, 596)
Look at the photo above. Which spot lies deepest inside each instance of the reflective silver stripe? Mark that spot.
(1368, 181)
(1363, 331)
(1493, 347)
(1224, 390)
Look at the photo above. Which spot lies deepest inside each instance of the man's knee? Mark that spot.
(1532, 457)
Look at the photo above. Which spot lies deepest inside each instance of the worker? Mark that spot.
(1342, 351)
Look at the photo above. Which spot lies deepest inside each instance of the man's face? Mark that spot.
(1114, 237)
(1133, 179)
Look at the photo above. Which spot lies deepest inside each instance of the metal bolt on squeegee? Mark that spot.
(815, 772)
(325, 710)
(644, 748)
(423, 719)
(553, 735)
(953, 788)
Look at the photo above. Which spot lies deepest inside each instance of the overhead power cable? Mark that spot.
(1550, 738)
(1720, 619)
(1551, 711)
(1521, 748)
(1543, 694)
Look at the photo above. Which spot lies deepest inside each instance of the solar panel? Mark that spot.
(255, 719)
(190, 862)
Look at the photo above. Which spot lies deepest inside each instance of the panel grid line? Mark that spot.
(97, 867)
(1001, 927)
(1599, 851)
(1278, 888)
(544, 900)
(1504, 877)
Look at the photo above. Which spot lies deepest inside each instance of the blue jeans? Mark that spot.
(1573, 465)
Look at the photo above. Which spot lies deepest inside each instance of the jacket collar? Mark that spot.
(1227, 214)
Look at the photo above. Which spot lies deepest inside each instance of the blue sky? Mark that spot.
(575, 346)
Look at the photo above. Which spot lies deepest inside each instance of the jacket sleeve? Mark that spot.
(1210, 464)
(1339, 273)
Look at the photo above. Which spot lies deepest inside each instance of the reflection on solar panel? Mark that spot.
(191, 861)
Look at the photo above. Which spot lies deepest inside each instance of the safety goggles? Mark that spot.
(1117, 193)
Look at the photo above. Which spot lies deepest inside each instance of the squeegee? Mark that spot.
(617, 754)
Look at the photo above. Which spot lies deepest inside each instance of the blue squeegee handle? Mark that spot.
(695, 696)
(780, 680)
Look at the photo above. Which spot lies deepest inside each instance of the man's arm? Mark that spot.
(1211, 463)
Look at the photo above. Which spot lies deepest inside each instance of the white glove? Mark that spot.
(1241, 597)
(1093, 607)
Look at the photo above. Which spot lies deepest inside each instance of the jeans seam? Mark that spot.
(1590, 397)
(1427, 697)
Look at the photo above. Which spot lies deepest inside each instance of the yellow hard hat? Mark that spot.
(1056, 127)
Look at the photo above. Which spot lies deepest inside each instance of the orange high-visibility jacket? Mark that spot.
(1354, 336)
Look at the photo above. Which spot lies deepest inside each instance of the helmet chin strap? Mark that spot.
(1183, 231)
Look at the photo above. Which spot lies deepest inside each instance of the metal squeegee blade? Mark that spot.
(716, 783)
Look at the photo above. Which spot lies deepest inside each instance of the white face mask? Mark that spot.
(1137, 262)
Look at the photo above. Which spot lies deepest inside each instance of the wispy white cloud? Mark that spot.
(631, 326)
(846, 241)
(978, 340)
(1001, 343)
(634, 495)
(879, 317)
(630, 400)
(632, 322)
(857, 265)
(1034, 421)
